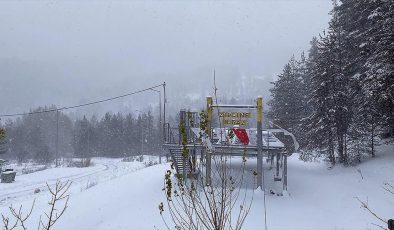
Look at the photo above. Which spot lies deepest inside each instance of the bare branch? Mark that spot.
(389, 187)
(366, 207)
(59, 193)
(192, 204)
(20, 219)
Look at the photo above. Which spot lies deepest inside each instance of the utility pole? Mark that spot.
(160, 124)
(161, 128)
(164, 107)
(57, 137)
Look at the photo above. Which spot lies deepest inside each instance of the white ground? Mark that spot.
(127, 196)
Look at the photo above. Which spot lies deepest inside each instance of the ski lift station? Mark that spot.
(228, 130)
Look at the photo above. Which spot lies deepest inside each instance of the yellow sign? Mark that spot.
(234, 118)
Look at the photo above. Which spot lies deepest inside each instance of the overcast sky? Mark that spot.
(67, 52)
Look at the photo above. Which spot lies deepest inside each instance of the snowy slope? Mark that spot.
(318, 199)
(325, 199)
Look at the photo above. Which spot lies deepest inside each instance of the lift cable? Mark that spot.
(82, 105)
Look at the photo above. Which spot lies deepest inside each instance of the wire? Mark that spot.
(81, 105)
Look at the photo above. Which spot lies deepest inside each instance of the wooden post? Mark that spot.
(259, 143)
(209, 133)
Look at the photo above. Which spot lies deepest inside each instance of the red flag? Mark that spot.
(242, 135)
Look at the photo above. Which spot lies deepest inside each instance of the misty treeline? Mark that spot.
(113, 135)
(339, 100)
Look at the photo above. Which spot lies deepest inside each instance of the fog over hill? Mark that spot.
(66, 53)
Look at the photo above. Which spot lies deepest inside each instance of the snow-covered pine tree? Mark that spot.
(308, 89)
(105, 135)
(128, 138)
(319, 124)
(305, 91)
(81, 138)
(380, 63)
(287, 98)
(351, 14)
(348, 85)
(328, 124)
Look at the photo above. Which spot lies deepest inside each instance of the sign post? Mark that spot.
(259, 142)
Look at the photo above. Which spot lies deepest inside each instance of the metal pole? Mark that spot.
(57, 137)
(208, 131)
(285, 172)
(260, 173)
(160, 109)
(160, 128)
(277, 164)
(259, 143)
(160, 124)
(164, 108)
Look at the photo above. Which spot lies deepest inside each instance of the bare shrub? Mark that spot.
(128, 159)
(59, 194)
(150, 163)
(28, 170)
(194, 204)
(83, 163)
(20, 219)
(2, 133)
(87, 162)
(388, 187)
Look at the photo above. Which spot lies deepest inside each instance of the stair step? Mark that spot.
(181, 164)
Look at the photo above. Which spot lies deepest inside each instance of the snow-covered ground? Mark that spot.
(103, 169)
(127, 196)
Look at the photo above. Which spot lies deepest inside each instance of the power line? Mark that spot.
(82, 105)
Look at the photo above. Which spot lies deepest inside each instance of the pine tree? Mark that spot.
(348, 83)
(319, 124)
(287, 98)
(362, 22)
(82, 138)
(380, 63)
(128, 138)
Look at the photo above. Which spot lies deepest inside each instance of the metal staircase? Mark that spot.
(173, 139)
(181, 164)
